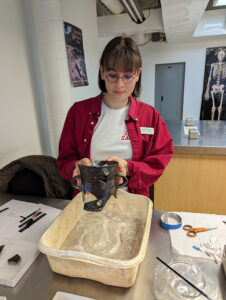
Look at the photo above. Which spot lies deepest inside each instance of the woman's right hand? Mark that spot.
(85, 162)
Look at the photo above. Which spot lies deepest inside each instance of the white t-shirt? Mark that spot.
(110, 135)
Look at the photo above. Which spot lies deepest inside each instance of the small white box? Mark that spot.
(189, 122)
(193, 134)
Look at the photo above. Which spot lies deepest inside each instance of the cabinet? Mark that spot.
(195, 178)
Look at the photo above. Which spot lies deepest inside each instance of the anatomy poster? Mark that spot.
(214, 89)
(75, 55)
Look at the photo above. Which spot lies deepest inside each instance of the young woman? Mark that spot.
(114, 126)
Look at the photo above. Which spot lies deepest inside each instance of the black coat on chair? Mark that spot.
(34, 175)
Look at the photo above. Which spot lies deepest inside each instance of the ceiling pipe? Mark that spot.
(132, 7)
(114, 6)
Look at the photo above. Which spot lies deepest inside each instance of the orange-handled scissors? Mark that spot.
(192, 232)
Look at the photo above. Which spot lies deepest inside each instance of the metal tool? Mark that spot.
(192, 231)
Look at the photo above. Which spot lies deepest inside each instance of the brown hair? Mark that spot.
(121, 51)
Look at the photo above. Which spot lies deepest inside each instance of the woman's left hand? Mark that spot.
(122, 166)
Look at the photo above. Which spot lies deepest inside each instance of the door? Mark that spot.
(169, 90)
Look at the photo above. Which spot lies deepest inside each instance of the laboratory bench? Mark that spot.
(194, 179)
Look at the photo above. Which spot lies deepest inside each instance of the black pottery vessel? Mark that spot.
(99, 180)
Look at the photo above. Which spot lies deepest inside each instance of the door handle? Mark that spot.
(161, 98)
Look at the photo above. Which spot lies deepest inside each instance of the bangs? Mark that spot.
(122, 60)
(121, 55)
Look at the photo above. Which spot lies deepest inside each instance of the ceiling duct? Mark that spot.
(132, 7)
(114, 6)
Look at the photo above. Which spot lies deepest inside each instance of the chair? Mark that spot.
(26, 182)
(34, 175)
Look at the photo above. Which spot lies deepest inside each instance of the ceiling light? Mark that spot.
(219, 2)
(133, 9)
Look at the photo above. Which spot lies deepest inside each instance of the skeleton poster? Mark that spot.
(75, 55)
(214, 89)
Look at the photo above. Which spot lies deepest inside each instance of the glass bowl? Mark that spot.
(181, 288)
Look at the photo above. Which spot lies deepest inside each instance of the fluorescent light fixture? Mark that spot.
(133, 9)
(136, 11)
(219, 2)
(130, 12)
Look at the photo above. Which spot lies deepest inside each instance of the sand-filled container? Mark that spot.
(110, 244)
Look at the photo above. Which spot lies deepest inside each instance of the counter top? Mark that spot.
(212, 139)
(39, 282)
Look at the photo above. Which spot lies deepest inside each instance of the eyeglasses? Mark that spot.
(112, 78)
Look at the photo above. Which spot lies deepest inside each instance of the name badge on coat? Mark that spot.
(147, 130)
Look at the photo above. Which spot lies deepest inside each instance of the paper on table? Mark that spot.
(16, 209)
(10, 274)
(10, 220)
(183, 244)
(22, 243)
(67, 296)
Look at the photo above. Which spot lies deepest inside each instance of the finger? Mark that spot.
(76, 171)
(122, 172)
(86, 162)
(119, 180)
(121, 169)
(113, 158)
(116, 159)
(121, 162)
(79, 183)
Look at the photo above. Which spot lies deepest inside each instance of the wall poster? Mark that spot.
(75, 55)
(213, 105)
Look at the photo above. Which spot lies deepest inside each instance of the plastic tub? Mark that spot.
(109, 271)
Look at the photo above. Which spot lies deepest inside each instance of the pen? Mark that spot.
(33, 216)
(25, 218)
(29, 220)
(28, 224)
(4, 209)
